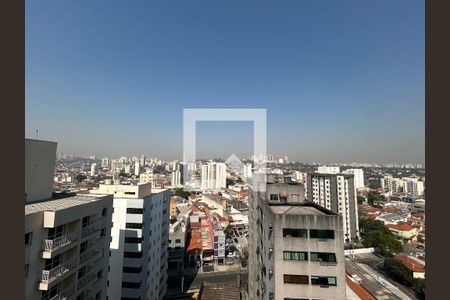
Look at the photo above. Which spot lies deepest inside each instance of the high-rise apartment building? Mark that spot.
(296, 248)
(358, 175)
(176, 178)
(105, 162)
(67, 239)
(139, 235)
(337, 193)
(213, 176)
(247, 171)
(93, 169)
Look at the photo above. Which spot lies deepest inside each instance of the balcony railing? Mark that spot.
(90, 228)
(64, 294)
(88, 254)
(52, 245)
(86, 278)
(50, 275)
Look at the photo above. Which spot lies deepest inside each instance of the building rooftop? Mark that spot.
(220, 291)
(60, 204)
(411, 263)
(303, 208)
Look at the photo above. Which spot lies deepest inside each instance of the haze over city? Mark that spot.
(341, 81)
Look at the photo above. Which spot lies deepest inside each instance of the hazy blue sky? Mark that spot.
(341, 80)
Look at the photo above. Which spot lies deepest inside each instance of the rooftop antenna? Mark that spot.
(37, 133)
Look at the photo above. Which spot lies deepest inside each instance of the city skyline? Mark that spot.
(341, 82)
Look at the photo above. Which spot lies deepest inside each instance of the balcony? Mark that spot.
(49, 276)
(52, 245)
(88, 254)
(86, 278)
(64, 294)
(96, 226)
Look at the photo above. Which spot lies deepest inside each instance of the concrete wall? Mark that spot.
(40, 159)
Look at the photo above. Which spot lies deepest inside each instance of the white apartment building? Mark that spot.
(105, 162)
(146, 177)
(66, 239)
(328, 170)
(247, 171)
(93, 169)
(137, 168)
(296, 249)
(337, 193)
(213, 176)
(139, 234)
(66, 248)
(413, 186)
(358, 175)
(391, 184)
(176, 178)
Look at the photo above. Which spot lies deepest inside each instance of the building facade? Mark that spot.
(139, 235)
(296, 250)
(337, 193)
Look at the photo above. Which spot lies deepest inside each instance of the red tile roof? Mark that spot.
(400, 227)
(358, 289)
(196, 241)
(411, 264)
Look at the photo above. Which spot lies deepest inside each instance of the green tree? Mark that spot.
(376, 235)
(159, 170)
(374, 196)
(398, 271)
(182, 193)
(228, 231)
(80, 178)
(419, 287)
(361, 199)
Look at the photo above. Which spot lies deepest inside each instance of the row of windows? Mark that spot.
(314, 256)
(313, 233)
(133, 240)
(315, 280)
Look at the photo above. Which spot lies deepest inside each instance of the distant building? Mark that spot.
(337, 193)
(93, 169)
(213, 176)
(176, 178)
(139, 235)
(358, 175)
(296, 249)
(137, 168)
(328, 170)
(247, 171)
(105, 162)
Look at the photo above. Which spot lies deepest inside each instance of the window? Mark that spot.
(130, 193)
(321, 234)
(287, 232)
(292, 255)
(27, 267)
(52, 292)
(131, 285)
(323, 280)
(139, 211)
(104, 211)
(132, 269)
(178, 241)
(296, 279)
(274, 197)
(52, 262)
(83, 247)
(56, 232)
(103, 232)
(134, 225)
(133, 240)
(132, 254)
(323, 257)
(85, 221)
(28, 238)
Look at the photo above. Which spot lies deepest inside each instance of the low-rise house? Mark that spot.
(404, 231)
(416, 266)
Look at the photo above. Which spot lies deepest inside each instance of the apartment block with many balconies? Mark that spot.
(139, 241)
(67, 247)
